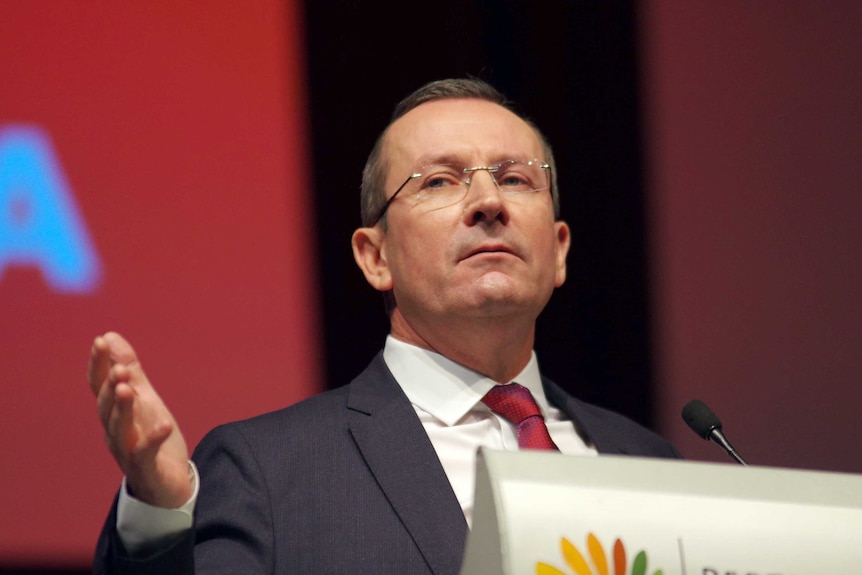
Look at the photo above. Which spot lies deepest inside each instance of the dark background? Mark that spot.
(572, 68)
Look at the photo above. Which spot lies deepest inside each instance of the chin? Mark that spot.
(494, 294)
(493, 303)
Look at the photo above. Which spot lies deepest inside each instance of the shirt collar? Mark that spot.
(445, 389)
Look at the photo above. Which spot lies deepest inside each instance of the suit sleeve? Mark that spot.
(232, 529)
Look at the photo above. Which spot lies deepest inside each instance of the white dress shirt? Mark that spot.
(447, 398)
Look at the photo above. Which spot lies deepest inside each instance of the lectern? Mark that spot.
(549, 514)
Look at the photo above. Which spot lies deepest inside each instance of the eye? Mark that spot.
(440, 182)
(439, 179)
(511, 180)
(520, 176)
(510, 177)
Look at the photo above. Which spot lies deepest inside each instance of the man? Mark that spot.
(461, 232)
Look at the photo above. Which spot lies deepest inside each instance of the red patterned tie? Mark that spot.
(515, 403)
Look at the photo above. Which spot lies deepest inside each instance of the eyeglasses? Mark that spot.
(445, 182)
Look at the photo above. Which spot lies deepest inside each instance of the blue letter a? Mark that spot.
(40, 224)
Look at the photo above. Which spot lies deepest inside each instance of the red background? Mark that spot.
(754, 138)
(179, 128)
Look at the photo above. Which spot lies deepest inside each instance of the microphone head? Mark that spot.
(700, 418)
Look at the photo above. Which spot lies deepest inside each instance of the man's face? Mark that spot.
(490, 254)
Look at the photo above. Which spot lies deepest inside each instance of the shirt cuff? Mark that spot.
(147, 528)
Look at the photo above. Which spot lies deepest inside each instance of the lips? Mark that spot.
(490, 249)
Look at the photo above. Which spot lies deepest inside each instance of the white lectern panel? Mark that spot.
(549, 514)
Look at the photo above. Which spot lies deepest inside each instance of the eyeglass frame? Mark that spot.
(490, 169)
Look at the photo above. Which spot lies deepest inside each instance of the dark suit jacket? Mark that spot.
(344, 482)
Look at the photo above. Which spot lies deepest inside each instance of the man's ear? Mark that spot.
(370, 255)
(563, 238)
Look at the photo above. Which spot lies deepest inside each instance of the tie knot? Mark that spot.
(512, 401)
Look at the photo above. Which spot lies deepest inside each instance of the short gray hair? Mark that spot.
(373, 195)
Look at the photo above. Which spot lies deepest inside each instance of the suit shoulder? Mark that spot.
(609, 431)
(632, 437)
(318, 415)
(324, 405)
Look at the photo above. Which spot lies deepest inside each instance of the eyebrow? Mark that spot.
(456, 159)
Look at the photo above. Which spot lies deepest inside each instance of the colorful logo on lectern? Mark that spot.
(598, 563)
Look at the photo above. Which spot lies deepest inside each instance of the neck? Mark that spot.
(498, 349)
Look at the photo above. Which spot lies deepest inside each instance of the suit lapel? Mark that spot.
(605, 438)
(400, 455)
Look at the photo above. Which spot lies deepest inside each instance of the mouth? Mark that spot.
(490, 249)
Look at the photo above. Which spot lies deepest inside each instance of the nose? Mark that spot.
(484, 200)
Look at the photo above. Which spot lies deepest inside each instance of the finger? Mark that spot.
(120, 350)
(121, 429)
(134, 427)
(128, 386)
(98, 365)
(116, 382)
(120, 426)
(151, 412)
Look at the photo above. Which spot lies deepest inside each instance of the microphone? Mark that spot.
(706, 424)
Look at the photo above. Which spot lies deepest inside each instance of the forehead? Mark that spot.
(467, 130)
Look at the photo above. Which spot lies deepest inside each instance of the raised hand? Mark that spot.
(141, 433)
